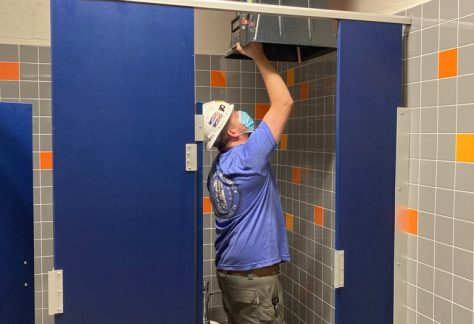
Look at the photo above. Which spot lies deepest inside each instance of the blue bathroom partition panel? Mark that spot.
(125, 208)
(368, 94)
(16, 214)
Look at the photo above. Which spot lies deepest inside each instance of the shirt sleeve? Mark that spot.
(258, 148)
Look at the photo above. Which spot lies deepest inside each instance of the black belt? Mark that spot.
(257, 272)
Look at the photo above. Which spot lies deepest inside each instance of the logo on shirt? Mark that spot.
(225, 195)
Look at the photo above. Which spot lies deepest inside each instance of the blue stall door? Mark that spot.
(16, 214)
(368, 94)
(126, 226)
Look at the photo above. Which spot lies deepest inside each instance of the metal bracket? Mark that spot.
(55, 292)
(198, 128)
(338, 269)
(191, 157)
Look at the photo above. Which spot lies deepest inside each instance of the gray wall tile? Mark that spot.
(466, 36)
(425, 277)
(444, 257)
(413, 70)
(447, 91)
(466, 61)
(428, 147)
(202, 78)
(415, 14)
(413, 95)
(465, 93)
(45, 72)
(29, 71)
(9, 53)
(465, 117)
(448, 33)
(426, 225)
(429, 93)
(426, 251)
(446, 147)
(45, 90)
(28, 54)
(465, 176)
(447, 119)
(427, 172)
(442, 310)
(462, 292)
(463, 234)
(429, 40)
(10, 89)
(202, 62)
(463, 261)
(414, 44)
(429, 67)
(461, 315)
(430, 13)
(444, 230)
(464, 206)
(29, 90)
(448, 10)
(444, 202)
(466, 7)
(44, 54)
(429, 120)
(425, 303)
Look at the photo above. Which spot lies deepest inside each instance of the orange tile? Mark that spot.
(289, 222)
(290, 77)
(448, 63)
(408, 220)
(284, 142)
(206, 205)
(465, 148)
(296, 175)
(304, 93)
(261, 109)
(218, 78)
(318, 215)
(9, 71)
(46, 160)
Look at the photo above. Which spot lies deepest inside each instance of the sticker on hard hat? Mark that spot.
(215, 119)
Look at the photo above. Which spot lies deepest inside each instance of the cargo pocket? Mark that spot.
(245, 296)
(248, 306)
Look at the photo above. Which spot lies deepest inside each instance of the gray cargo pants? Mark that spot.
(251, 300)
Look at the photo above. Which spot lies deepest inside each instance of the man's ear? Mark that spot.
(232, 132)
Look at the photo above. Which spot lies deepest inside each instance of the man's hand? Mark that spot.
(252, 50)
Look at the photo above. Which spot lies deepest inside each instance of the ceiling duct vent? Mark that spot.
(284, 38)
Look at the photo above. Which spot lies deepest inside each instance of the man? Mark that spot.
(251, 237)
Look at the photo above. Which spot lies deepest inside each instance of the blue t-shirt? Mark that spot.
(250, 224)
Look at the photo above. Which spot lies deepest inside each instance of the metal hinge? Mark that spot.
(191, 157)
(338, 269)
(55, 292)
(198, 128)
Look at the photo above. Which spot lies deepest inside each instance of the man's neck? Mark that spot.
(240, 140)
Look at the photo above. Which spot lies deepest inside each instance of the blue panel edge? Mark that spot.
(368, 93)
(199, 225)
(16, 119)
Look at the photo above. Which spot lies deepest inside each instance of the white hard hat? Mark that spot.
(216, 114)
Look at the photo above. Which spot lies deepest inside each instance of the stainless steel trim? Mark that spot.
(401, 203)
(278, 10)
